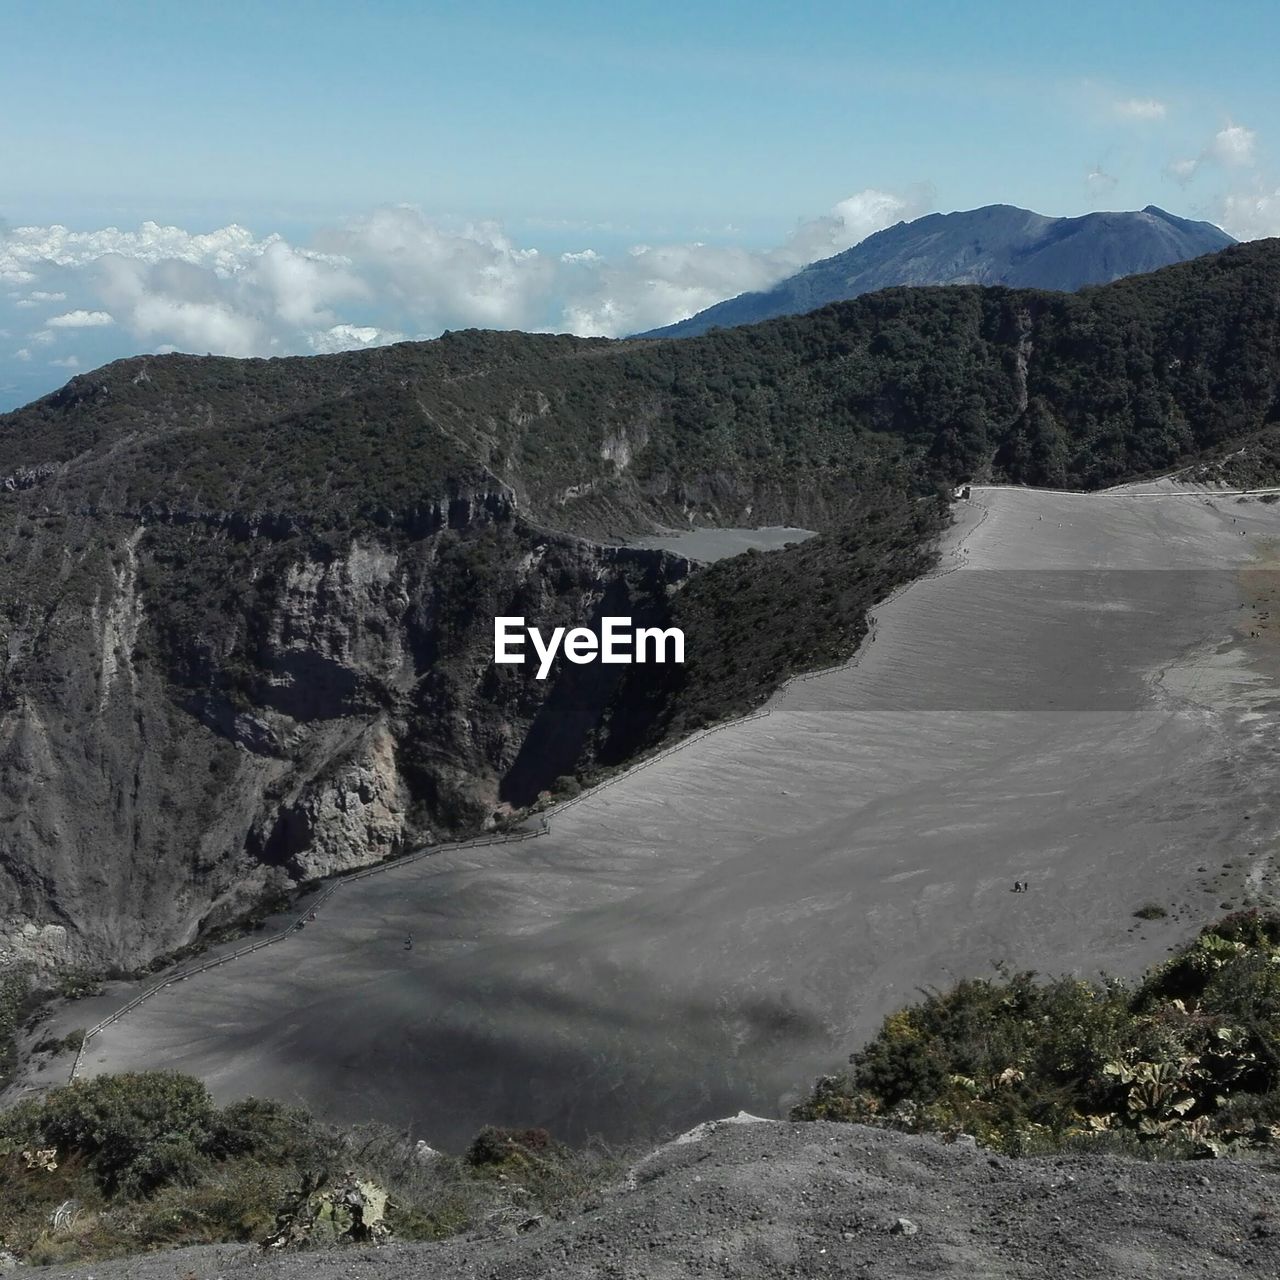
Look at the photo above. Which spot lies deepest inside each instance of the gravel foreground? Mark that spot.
(773, 1199)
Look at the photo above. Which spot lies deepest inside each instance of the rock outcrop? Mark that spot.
(185, 711)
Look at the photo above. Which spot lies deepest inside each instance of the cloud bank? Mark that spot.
(1252, 215)
(73, 299)
(389, 274)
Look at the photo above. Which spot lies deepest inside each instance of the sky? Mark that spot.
(258, 179)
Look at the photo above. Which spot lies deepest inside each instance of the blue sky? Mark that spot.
(720, 136)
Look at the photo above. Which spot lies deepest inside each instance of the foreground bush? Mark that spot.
(1187, 1062)
(122, 1164)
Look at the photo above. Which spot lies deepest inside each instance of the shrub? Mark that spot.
(268, 1131)
(173, 1159)
(70, 1043)
(15, 995)
(493, 1145)
(118, 1164)
(1189, 1060)
(135, 1131)
(78, 984)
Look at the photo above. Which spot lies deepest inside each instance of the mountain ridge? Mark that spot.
(996, 244)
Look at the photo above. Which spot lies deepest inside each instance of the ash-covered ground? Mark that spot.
(1086, 701)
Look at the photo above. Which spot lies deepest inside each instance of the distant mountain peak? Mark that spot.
(996, 244)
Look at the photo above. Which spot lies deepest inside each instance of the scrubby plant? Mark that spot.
(494, 1145)
(1187, 1061)
(135, 1131)
(119, 1164)
(70, 1043)
(79, 984)
(266, 1130)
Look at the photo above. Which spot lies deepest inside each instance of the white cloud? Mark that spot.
(174, 301)
(849, 223)
(80, 319)
(1100, 182)
(388, 275)
(1232, 147)
(1140, 109)
(66, 362)
(345, 337)
(654, 286)
(302, 287)
(20, 247)
(1252, 215)
(23, 354)
(437, 277)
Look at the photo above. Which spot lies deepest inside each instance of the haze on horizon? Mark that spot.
(315, 178)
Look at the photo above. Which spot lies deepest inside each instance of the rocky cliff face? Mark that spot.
(188, 713)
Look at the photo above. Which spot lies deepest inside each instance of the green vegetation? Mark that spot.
(737, 654)
(1187, 1062)
(123, 1164)
(77, 984)
(796, 413)
(1253, 463)
(70, 1043)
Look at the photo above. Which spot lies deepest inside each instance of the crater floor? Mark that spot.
(1084, 697)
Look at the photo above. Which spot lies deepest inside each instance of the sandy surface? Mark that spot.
(1082, 704)
(762, 1201)
(718, 544)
